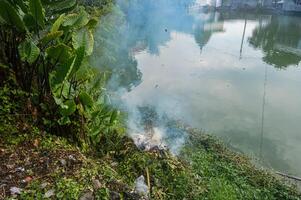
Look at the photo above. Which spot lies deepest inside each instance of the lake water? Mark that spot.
(234, 74)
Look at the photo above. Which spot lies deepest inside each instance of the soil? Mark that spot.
(21, 164)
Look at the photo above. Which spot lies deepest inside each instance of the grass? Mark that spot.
(205, 168)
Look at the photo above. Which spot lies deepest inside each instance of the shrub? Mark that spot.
(47, 44)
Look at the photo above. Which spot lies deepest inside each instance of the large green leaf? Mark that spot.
(62, 72)
(10, 15)
(80, 54)
(29, 22)
(59, 53)
(64, 120)
(28, 51)
(60, 91)
(62, 5)
(85, 72)
(46, 2)
(77, 20)
(92, 23)
(58, 80)
(51, 36)
(22, 5)
(86, 100)
(56, 25)
(36, 10)
(83, 37)
(68, 108)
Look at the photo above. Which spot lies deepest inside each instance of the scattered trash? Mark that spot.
(96, 184)
(15, 190)
(150, 141)
(9, 166)
(87, 196)
(63, 162)
(27, 179)
(20, 169)
(114, 164)
(71, 157)
(114, 195)
(43, 185)
(140, 186)
(49, 193)
(36, 143)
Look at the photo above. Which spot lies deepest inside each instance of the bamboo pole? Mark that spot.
(148, 181)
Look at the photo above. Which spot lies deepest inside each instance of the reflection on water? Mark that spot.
(279, 39)
(236, 75)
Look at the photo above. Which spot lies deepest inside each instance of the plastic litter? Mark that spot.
(49, 193)
(140, 186)
(15, 190)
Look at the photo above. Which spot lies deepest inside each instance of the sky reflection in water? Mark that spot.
(211, 70)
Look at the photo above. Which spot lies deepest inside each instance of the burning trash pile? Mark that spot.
(152, 133)
(152, 140)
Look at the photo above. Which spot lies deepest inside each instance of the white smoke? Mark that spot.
(117, 40)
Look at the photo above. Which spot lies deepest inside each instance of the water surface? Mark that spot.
(235, 75)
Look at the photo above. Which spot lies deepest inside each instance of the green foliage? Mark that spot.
(77, 20)
(83, 37)
(49, 53)
(227, 175)
(29, 51)
(10, 15)
(36, 10)
(61, 6)
(51, 36)
(59, 53)
(12, 102)
(58, 22)
(205, 170)
(68, 189)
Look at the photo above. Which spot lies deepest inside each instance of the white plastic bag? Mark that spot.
(140, 186)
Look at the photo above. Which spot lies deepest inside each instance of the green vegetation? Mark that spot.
(205, 170)
(59, 137)
(45, 49)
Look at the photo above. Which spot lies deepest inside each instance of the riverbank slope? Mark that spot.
(38, 165)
